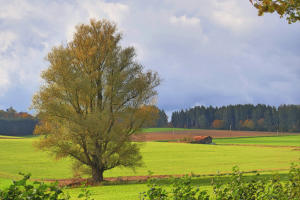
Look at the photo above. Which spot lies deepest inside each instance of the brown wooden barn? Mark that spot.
(202, 140)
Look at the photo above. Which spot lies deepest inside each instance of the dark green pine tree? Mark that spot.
(162, 120)
(285, 118)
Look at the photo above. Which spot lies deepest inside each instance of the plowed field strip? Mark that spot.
(178, 135)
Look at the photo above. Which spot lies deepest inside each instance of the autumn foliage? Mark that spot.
(95, 97)
(288, 8)
(248, 124)
(218, 124)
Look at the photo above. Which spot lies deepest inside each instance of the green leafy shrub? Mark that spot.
(236, 188)
(22, 190)
(181, 190)
(155, 192)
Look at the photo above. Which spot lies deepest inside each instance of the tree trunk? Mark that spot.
(97, 175)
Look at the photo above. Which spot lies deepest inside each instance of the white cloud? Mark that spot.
(184, 20)
(94, 9)
(230, 14)
(31, 30)
(14, 9)
(4, 81)
(99, 9)
(6, 40)
(140, 51)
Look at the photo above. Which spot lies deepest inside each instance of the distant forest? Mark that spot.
(16, 123)
(285, 118)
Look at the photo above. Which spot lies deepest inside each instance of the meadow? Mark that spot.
(9, 137)
(290, 140)
(160, 158)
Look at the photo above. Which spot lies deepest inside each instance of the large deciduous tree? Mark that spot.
(95, 96)
(288, 8)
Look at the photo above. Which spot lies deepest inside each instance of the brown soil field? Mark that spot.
(189, 134)
(9, 137)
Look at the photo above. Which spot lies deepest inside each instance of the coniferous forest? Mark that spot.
(285, 118)
(16, 123)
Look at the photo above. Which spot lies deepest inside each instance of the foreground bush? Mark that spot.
(22, 190)
(237, 188)
(260, 189)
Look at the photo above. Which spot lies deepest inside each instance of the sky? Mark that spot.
(215, 52)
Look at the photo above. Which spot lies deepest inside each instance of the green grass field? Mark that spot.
(121, 192)
(9, 137)
(290, 140)
(161, 158)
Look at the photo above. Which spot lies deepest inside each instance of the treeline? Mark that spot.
(285, 118)
(15, 123)
(162, 120)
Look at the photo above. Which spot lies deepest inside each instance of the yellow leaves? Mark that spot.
(217, 124)
(92, 51)
(248, 124)
(289, 8)
(43, 128)
(95, 97)
(148, 113)
(148, 109)
(280, 8)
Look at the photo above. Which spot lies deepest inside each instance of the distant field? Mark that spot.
(291, 140)
(151, 130)
(9, 137)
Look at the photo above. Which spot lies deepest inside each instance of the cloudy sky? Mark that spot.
(215, 52)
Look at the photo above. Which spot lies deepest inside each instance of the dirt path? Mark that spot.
(180, 135)
(9, 138)
(77, 182)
